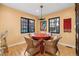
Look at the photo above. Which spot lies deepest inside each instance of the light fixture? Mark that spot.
(41, 13)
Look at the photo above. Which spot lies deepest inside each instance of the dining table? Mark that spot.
(41, 37)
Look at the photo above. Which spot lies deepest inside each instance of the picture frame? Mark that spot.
(43, 25)
(67, 25)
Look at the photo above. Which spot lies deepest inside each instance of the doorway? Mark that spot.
(77, 28)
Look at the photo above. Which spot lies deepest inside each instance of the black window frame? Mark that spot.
(49, 25)
(28, 19)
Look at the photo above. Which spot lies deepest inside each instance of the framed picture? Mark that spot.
(43, 25)
(67, 25)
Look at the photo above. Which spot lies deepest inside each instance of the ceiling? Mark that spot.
(34, 8)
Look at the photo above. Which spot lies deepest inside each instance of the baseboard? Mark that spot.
(16, 44)
(67, 45)
(24, 42)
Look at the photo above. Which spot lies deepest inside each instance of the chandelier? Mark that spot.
(41, 13)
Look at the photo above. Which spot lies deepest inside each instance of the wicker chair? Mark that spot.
(31, 48)
(3, 46)
(51, 46)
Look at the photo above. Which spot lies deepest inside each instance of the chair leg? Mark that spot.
(35, 53)
(58, 51)
(25, 52)
(31, 54)
(50, 53)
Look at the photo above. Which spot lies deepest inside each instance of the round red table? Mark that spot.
(41, 37)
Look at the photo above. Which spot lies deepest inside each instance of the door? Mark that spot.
(77, 28)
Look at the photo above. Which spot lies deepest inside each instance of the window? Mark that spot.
(54, 25)
(27, 25)
(31, 26)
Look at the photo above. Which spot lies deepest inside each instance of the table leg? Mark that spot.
(42, 47)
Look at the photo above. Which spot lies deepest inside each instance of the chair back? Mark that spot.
(51, 46)
(55, 42)
(29, 42)
(3, 46)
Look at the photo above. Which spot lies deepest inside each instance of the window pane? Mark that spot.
(24, 25)
(54, 25)
(31, 26)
